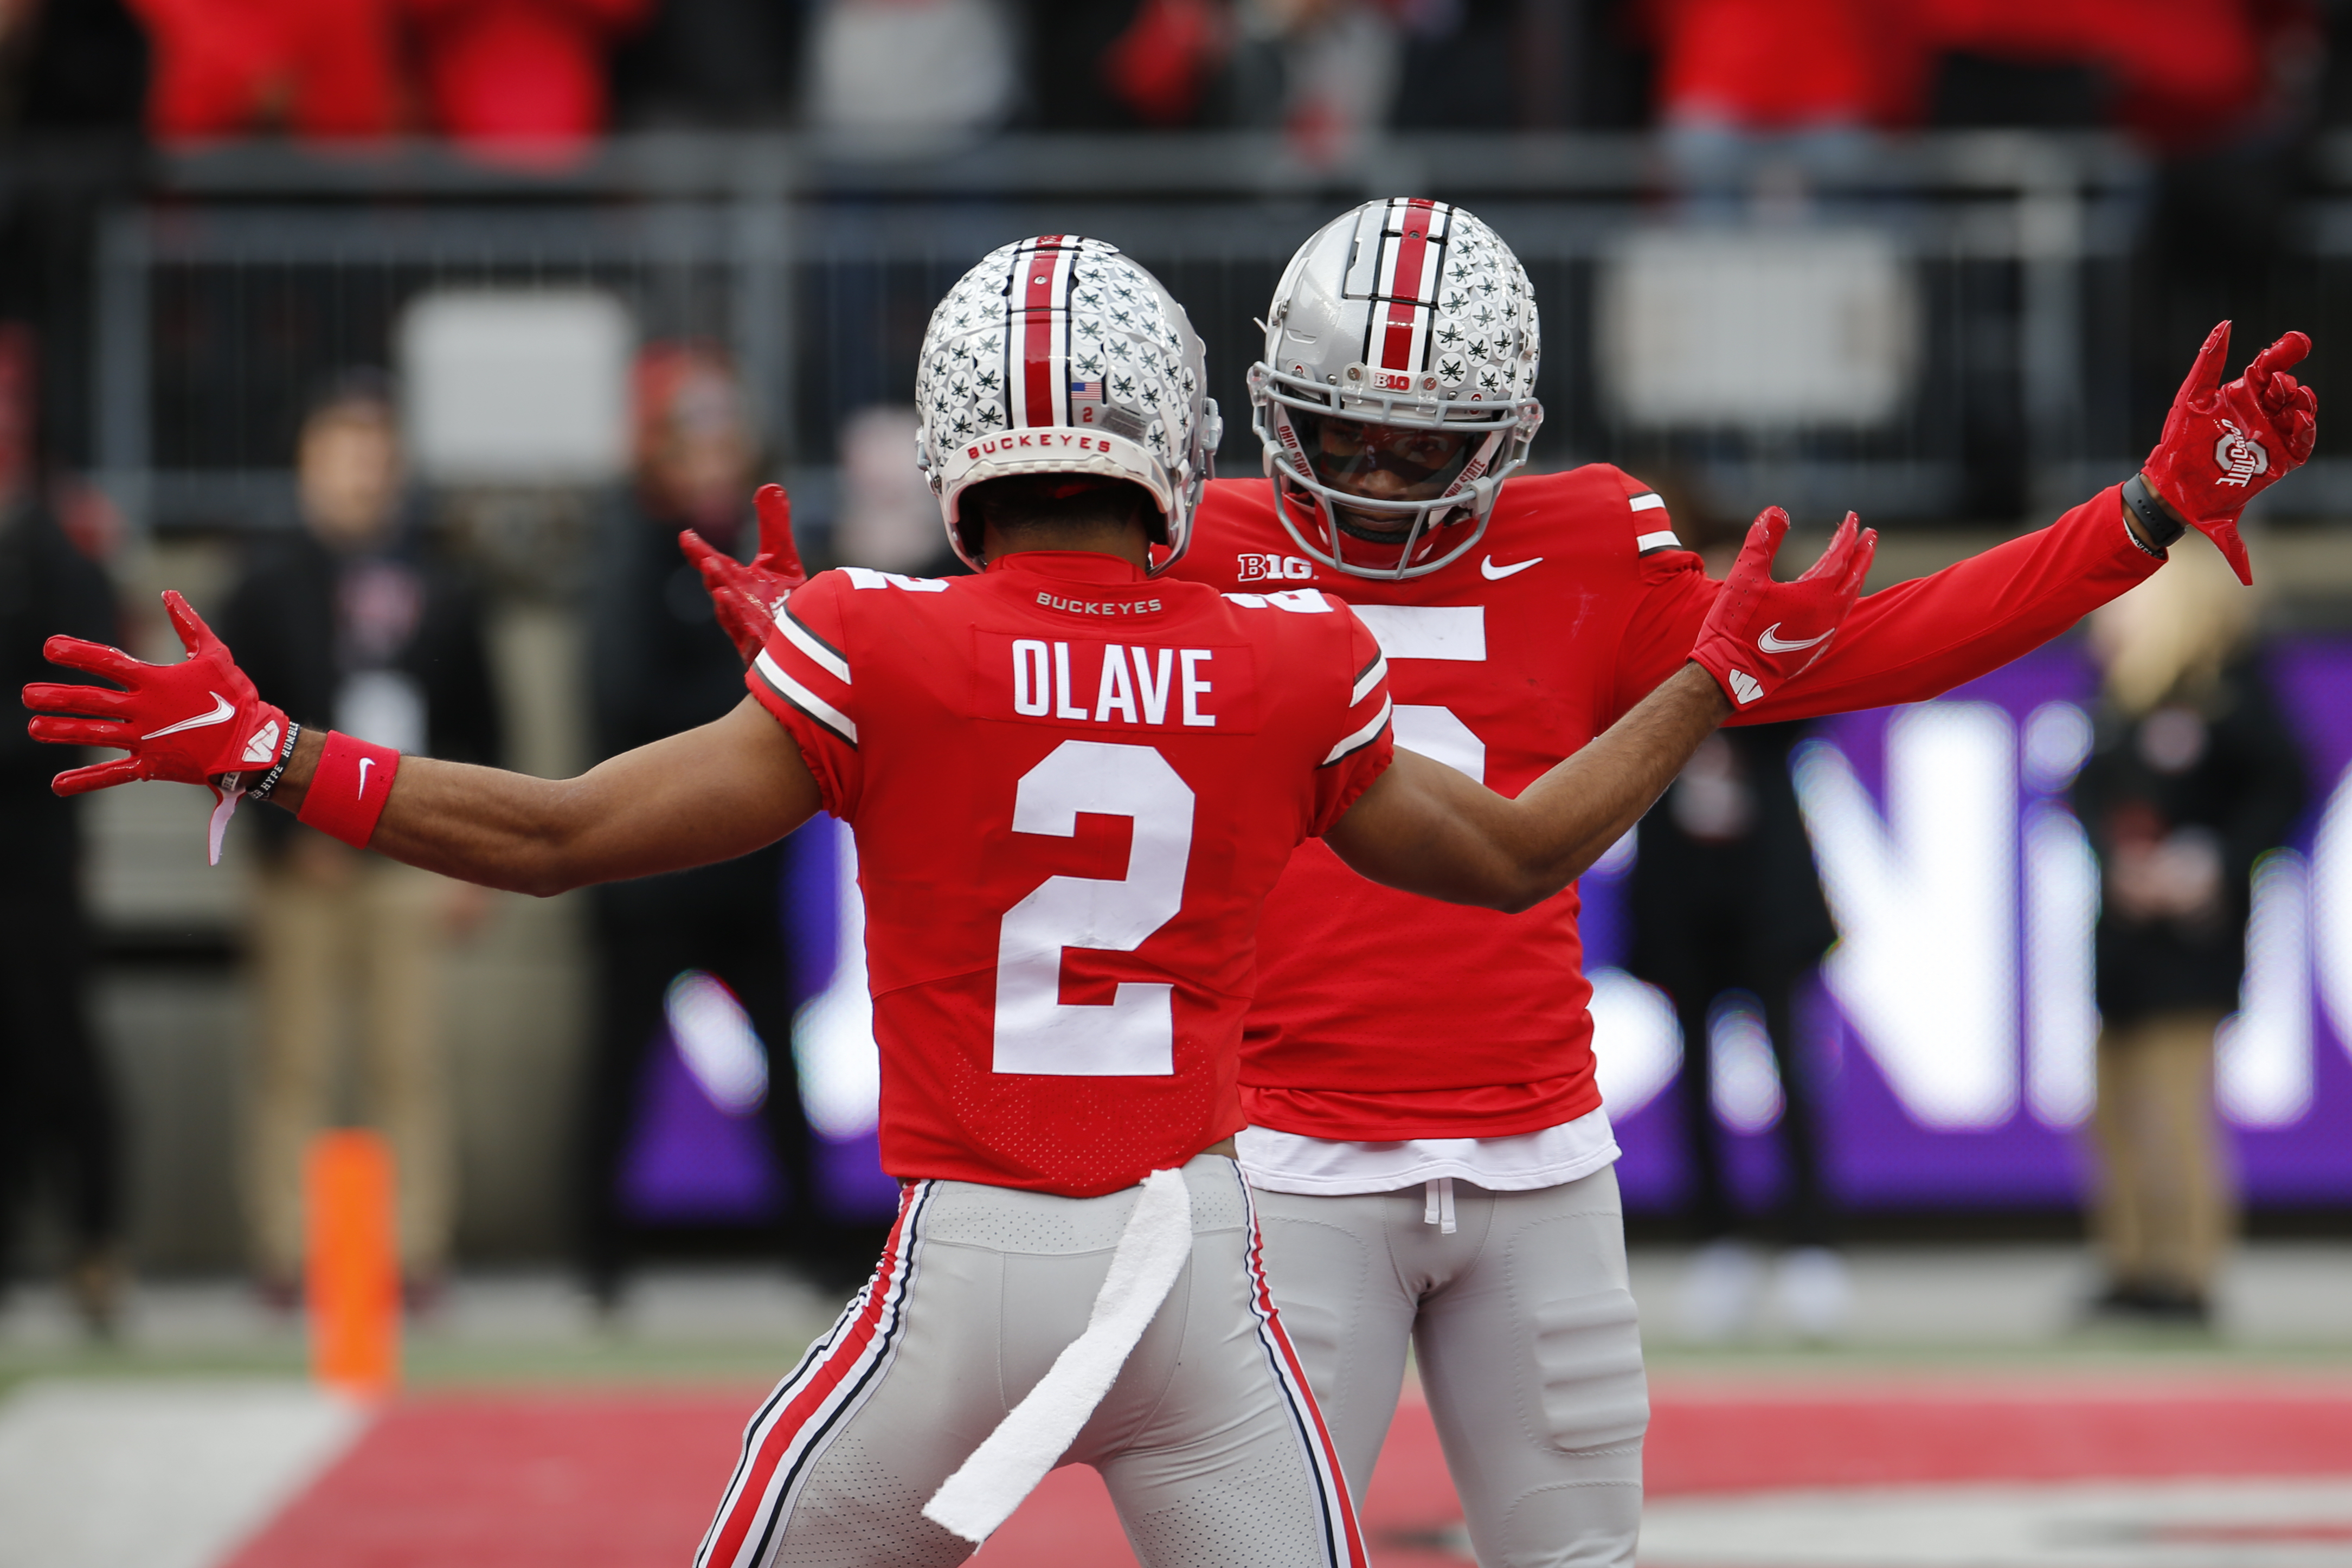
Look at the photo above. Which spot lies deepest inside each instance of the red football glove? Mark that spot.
(192, 722)
(747, 598)
(1761, 633)
(2224, 446)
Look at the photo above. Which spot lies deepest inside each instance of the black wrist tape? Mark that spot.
(2161, 527)
(269, 780)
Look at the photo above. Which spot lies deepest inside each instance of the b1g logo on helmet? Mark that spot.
(1255, 568)
(2238, 456)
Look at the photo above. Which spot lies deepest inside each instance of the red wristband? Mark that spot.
(348, 791)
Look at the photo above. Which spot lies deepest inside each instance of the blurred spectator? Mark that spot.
(887, 519)
(884, 67)
(322, 69)
(1777, 92)
(658, 664)
(353, 620)
(1162, 62)
(1325, 71)
(713, 62)
(2193, 774)
(57, 1115)
(527, 77)
(70, 65)
(1728, 918)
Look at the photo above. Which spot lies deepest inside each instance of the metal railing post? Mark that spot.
(121, 392)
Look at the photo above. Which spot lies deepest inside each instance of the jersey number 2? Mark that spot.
(1036, 1032)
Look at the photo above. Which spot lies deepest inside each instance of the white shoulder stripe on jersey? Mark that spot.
(1648, 501)
(822, 654)
(807, 702)
(1374, 673)
(1360, 738)
(1662, 540)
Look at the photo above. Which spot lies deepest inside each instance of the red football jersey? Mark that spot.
(1071, 788)
(1383, 1015)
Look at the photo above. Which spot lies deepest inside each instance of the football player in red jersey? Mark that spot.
(1072, 782)
(1429, 1151)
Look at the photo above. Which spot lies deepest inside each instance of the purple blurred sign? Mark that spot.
(1952, 1026)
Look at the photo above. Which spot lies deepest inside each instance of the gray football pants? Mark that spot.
(1208, 1440)
(1528, 1345)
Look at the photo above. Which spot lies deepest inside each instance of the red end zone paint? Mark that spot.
(1732, 1439)
(629, 1479)
(509, 1480)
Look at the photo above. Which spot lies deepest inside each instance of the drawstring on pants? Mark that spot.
(1439, 1208)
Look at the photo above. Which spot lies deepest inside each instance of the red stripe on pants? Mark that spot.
(822, 1380)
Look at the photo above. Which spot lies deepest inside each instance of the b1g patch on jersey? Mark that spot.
(1077, 681)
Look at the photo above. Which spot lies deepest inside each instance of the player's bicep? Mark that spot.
(1424, 827)
(709, 793)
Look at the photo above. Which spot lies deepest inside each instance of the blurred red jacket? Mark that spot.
(519, 70)
(2184, 70)
(1780, 65)
(323, 68)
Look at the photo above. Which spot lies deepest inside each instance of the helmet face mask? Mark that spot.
(1397, 388)
(1060, 355)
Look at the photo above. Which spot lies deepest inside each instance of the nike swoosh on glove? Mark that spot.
(2224, 446)
(1761, 634)
(747, 598)
(191, 722)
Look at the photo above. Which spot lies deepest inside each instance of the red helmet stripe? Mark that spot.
(1042, 284)
(1411, 282)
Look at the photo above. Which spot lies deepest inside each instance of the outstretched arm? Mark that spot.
(709, 793)
(1427, 829)
(1918, 639)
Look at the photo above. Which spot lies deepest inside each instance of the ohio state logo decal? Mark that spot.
(2238, 456)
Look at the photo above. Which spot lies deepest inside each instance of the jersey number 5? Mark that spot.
(1036, 1032)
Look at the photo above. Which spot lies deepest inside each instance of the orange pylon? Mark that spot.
(352, 1264)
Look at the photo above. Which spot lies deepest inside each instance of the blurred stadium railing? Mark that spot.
(1943, 334)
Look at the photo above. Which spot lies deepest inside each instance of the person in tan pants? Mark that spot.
(2192, 776)
(355, 621)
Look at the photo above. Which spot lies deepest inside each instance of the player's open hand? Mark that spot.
(748, 597)
(2224, 446)
(190, 722)
(1761, 633)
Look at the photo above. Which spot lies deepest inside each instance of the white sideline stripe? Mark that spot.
(818, 707)
(1427, 631)
(2061, 1524)
(1360, 737)
(1662, 540)
(823, 657)
(1651, 503)
(1030, 1441)
(162, 1475)
(1371, 678)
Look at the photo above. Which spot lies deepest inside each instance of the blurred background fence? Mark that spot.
(1946, 329)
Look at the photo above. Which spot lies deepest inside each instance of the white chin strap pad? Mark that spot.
(1033, 1437)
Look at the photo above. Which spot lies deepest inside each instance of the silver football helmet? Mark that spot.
(1060, 355)
(1397, 388)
